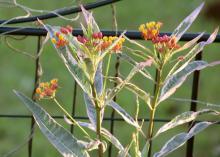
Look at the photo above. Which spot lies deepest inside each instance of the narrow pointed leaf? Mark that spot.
(145, 150)
(90, 21)
(104, 132)
(186, 23)
(58, 136)
(90, 105)
(184, 118)
(90, 109)
(134, 89)
(123, 113)
(131, 61)
(192, 53)
(189, 44)
(139, 92)
(178, 140)
(176, 80)
(121, 85)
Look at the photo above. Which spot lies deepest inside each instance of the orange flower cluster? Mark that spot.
(100, 42)
(59, 39)
(47, 89)
(165, 43)
(150, 30)
(107, 41)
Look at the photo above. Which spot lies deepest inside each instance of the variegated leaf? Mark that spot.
(178, 140)
(123, 113)
(184, 118)
(175, 81)
(111, 138)
(132, 62)
(192, 53)
(145, 150)
(90, 21)
(90, 105)
(58, 136)
(186, 23)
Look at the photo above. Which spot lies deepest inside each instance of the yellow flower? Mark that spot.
(150, 30)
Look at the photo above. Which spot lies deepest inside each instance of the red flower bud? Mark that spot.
(69, 28)
(100, 35)
(64, 30)
(95, 35)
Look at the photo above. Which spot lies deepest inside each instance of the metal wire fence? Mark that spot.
(40, 32)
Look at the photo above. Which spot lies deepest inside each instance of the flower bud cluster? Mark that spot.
(47, 89)
(59, 39)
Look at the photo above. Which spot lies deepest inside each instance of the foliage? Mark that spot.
(84, 55)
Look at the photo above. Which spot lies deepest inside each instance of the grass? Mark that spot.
(17, 72)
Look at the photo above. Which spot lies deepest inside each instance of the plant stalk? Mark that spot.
(154, 105)
(70, 117)
(98, 120)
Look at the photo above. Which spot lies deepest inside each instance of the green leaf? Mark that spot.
(176, 80)
(123, 113)
(186, 23)
(58, 136)
(178, 140)
(184, 118)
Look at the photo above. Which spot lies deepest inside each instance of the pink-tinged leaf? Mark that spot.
(186, 23)
(178, 140)
(176, 80)
(147, 63)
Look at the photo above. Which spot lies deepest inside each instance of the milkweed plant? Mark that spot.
(84, 56)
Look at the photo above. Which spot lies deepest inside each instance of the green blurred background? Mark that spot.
(17, 72)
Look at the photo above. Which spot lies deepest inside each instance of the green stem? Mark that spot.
(107, 70)
(98, 120)
(70, 117)
(154, 105)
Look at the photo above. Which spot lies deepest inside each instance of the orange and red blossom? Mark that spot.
(102, 43)
(108, 41)
(165, 43)
(150, 30)
(59, 39)
(47, 89)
